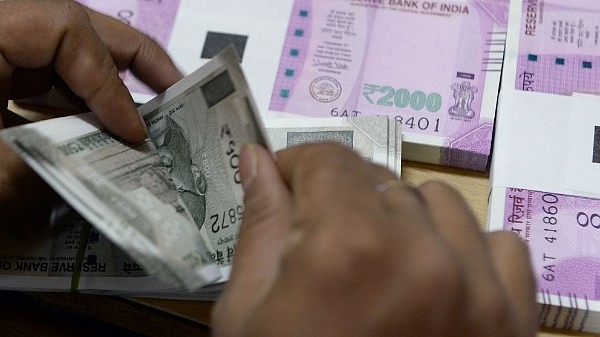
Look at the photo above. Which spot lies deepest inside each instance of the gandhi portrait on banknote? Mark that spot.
(188, 178)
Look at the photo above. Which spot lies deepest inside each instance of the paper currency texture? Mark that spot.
(543, 174)
(432, 66)
(376, 139)
(559, 48)
(563, 235)
(199, 132)
(174, 204)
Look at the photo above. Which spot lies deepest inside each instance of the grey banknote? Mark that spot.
(199, 135)
(377, 139)
(174, 203)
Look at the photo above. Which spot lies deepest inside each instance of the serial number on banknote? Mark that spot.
(388, 96)
(550, 224)
(410, 122)
(550, 218)
(231, 217)
(421, 123)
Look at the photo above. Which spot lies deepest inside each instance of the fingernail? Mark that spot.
(248, 164)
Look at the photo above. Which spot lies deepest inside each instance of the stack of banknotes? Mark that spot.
(160, 218)
(546, 166)
(433, 66)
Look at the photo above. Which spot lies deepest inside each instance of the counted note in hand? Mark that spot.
(175, 203)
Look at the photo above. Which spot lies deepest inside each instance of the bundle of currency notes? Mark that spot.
(434, 67)
(546, 167)
(160, 218)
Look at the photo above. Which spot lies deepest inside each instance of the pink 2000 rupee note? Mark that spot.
(433, 66)
(155, 18)
(563, 235)
(559, 48)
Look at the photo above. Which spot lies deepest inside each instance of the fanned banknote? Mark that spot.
(546, 166)
(376, 139)
(174, 204)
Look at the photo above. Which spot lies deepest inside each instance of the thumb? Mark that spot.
(267, 214)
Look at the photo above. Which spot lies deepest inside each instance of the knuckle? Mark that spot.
(147, 49)
(325, 163)
(73, 12)
(349, 258)
(436, 187)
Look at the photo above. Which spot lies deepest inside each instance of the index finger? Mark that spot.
(133, 50)
(34, 34)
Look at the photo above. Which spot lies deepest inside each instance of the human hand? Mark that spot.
(56, 43)
(61, 43)
(323, 252)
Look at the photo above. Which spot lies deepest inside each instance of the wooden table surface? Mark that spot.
(63, 314)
